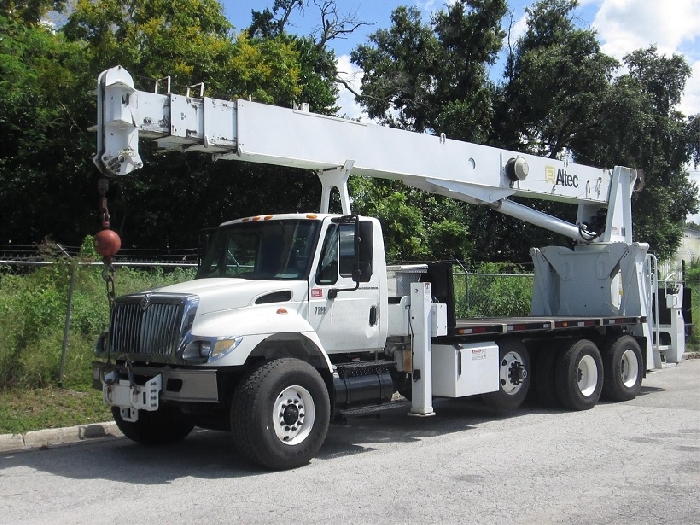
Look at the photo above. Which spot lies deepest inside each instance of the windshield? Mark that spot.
(262, 250)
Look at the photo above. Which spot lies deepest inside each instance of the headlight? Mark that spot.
(224, 346)
(203, 350)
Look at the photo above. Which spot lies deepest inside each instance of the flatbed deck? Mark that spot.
(505, 325)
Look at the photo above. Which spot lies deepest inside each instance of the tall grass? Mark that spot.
(33, 310)
(495, 289)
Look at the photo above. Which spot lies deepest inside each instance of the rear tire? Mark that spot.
(579, 375)
(280, 414)
(624, 368)
(162, 427)
(514, 376)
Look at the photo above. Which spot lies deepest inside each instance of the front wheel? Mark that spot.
(280, 414)
(161, 427)
(579, 375)
(514, 376)
(624, 368)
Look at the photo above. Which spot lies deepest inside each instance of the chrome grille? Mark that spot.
(148, 324)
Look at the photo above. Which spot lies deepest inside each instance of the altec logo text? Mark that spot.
(559, 177)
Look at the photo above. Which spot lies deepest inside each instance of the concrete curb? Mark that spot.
(57, 436)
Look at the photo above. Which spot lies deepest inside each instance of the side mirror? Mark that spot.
(205, 236)
(364, 252)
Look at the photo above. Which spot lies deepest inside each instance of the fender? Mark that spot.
(271, 331)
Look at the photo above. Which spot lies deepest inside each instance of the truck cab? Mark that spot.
(327, 271)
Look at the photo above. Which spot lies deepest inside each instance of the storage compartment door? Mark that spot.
(465, 369)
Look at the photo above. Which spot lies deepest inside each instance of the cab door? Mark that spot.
(345, 312)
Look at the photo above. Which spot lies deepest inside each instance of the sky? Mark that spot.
(622, 26)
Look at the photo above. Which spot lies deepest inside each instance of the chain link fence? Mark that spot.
(489, 294)
(54, 304)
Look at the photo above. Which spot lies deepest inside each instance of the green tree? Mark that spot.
(318, 63)
(559, 96)
(551, 102)
(658, 139)
(556, 79)
(29, 12)
(44, 149)
(434, 77)
(417, 226)
(48, 182)
(429, 78)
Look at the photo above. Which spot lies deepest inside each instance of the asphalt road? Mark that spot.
(636, 462)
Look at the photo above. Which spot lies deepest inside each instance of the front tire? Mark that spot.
(579, 375)
(161, 427)
(624, 368)
(514, 376)
(280, 414)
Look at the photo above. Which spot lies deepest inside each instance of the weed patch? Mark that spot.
(33, 309)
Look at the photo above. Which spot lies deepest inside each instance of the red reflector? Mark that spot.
(267, 217)
(281, 311)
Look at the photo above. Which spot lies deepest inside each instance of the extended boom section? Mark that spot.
(253, 132)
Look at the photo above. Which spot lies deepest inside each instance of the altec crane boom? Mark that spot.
(334, 147)
(299, 316)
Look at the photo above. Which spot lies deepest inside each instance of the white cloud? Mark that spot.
(690, 105)
(673, 25)
(351, 74)
(519, 28)
(626, 25)
(428, 7)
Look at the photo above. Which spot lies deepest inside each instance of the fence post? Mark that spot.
(466, 289)
(66, 326)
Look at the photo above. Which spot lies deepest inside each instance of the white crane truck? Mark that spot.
(295, 320)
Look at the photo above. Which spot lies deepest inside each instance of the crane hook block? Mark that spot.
(107, 243)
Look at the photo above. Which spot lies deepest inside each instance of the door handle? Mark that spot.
(373, 316)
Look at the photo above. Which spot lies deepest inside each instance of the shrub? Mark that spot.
(33, 309)
(495, 289)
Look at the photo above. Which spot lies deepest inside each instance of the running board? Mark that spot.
(374, 409)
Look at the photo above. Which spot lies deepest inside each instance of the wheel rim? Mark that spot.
(587, 375)
(294, 414)
(513, 373)
(629, 369)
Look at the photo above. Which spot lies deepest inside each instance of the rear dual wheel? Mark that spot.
(514, 376)
(624, 368)
(578, 375)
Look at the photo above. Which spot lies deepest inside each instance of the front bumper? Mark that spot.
(126, 388)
